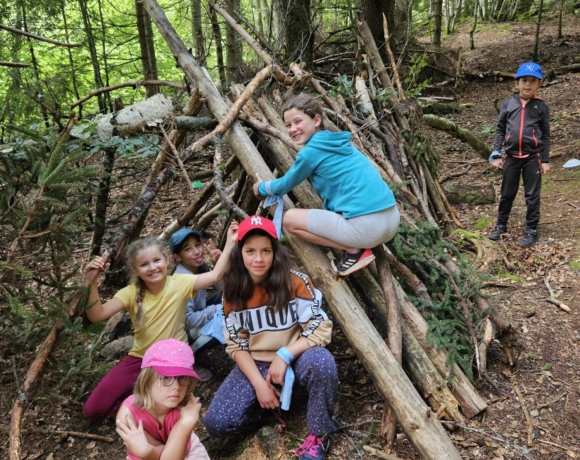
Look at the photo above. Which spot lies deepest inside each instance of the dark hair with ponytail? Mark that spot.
(306, 104)
(239, 286)
(130, 258)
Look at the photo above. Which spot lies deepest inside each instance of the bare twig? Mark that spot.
(14, 64)
(573, 205)
(218, 174)
(520, 450)
(40, 38)
(392, 59)
(379, 453)
(549, 403)
(178, 159)
(455, 174)
(131, 84)
(529, 422)
(553, 299)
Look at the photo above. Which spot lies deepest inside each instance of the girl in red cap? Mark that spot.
(158, 420)
(276, 332)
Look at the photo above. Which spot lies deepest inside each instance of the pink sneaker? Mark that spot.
(350, 262)
(313, 448)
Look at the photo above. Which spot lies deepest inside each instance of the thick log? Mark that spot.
(471, 402)
(416, 360)
(41, 356)
(464, 135)
(394, 334)
(194, 123)
(470, 194)
(426, 433)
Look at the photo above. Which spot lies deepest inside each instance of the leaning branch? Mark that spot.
(13, 64)
(38, 37)
(130, 84)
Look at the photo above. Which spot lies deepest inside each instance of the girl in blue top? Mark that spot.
(360, 211)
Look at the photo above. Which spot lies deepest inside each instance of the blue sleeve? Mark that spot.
(500, 128)
(298, 172)
(545, 128)
(197, 314)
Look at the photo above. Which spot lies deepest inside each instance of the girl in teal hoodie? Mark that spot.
(359, 212)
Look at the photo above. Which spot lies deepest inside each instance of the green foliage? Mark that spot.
(344, 87)
(447, 323)
(575, 265)
(487, 129)
(414, 87)
(43, 209)
(482, 223)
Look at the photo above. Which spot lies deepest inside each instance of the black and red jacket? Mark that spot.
(523, 128)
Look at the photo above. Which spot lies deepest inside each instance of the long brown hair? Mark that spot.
(142, 389)
(130, 258)
(306, 104)
(239, 286)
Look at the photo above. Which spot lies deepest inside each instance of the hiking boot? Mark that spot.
(205, 375)
(498, 231)
(350, 262)
(313, 448)
(529, 239)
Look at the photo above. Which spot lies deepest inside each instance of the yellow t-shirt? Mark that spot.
(164, 312)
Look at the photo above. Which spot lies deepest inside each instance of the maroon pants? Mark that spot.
(106, 399)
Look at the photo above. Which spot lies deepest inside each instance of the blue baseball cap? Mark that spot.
(177, 239)
(530, 69)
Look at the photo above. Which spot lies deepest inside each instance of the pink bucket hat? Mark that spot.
(170, 358)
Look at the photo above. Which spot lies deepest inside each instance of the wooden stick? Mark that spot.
(131, 84)
(549, 403)
(446, 204)
(14, 64)
(553, 299)
(38, 363)
(392, 59)
(40, 38)
(78, 434)
(234, 110)
(529, 422)
(270, 130)
(556, 445)
(379, 453)
(218, 174)
(178, 159)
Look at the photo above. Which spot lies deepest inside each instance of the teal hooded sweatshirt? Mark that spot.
(344, 178)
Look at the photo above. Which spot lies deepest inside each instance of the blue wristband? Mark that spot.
(494, 156)
(285, 354)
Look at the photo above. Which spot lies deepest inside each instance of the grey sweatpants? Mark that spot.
(365, 231)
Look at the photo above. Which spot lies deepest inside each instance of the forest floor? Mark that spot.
(547, 371)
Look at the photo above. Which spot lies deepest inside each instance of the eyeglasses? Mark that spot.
(183, 380)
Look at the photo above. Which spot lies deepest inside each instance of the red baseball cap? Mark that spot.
(256, 223)
(171, 358)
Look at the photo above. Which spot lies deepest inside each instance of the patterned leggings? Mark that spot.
(235, 403)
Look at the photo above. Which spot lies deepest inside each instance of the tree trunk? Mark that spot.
(197, 31)
(107, 96)
(146, 46)
(93, 53)
(100, 217)
(437, 11)
(425, 433)
(537, 38)
(234, 60)
(299, 37)
(217, 37)
(73, 73)
(372, 14)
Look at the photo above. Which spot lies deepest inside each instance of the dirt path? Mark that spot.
(547, 372)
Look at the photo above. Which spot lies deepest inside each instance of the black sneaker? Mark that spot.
(351, 262)
(529, 239)
(498, 231)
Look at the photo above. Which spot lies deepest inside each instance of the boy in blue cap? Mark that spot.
(523, 130)
(187, 249)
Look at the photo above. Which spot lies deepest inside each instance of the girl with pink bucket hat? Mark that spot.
(157, 421)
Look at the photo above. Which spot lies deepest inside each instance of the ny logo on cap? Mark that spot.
(531, 67)
(257, 220)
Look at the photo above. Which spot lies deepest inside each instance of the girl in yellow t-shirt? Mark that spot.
(156, 305)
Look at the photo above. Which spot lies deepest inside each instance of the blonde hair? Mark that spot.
(130, 258)
(142, 389)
